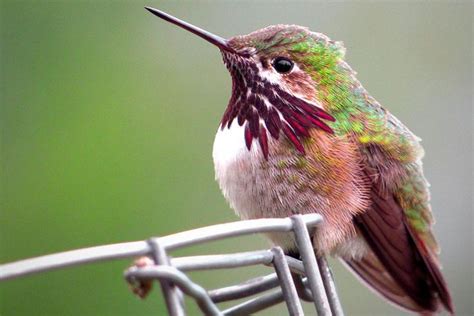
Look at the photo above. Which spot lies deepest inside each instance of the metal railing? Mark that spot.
(308, 279)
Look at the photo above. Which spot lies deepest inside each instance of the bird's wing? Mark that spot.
(397, 227)
(370, 271)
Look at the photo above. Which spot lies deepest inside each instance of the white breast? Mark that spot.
(242, 180)
(236, 169)
(229, 146)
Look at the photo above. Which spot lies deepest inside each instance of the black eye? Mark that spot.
(282, 65)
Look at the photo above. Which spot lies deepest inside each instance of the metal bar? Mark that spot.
(255, 305)
(297, 271)
(226, 261)
(295, 265)
(287, 286)
(303, 292)
(141, 248)
(248, 288)
(172, 299)
(319, 278)
(72, 258)
(180, 279)
(220, 231)
(330, 286)
(311, 266)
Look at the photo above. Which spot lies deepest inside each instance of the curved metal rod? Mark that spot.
(225, 261)
(171, 293)
(259, 303)
(248, 288)
(73, 258)
(233, 229)
(256, 304)
(142, 248)
(296, 266)
(178, 278)
(302, 287)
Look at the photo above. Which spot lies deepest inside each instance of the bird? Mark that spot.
(299, 135)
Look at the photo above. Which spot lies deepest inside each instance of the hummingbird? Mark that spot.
(300, 134)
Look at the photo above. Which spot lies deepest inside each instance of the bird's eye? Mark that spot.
(282, 65)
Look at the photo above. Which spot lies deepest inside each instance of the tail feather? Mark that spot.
(371, 272)
(434, 271)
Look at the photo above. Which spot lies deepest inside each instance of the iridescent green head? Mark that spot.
(310, 53)
(284, 80)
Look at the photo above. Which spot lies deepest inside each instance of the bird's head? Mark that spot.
(283, 77)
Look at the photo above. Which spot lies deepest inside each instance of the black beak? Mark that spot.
(211, 38)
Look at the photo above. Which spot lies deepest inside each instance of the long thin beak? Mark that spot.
(211, 38)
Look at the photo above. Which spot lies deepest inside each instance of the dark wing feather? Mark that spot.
(386, 231)
(434, 271)
(376, 277)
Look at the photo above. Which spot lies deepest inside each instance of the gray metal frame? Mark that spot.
(309, 279)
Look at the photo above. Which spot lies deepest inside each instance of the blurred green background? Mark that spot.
(108, 115)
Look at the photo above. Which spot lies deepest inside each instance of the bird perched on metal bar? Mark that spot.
(300, 134)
